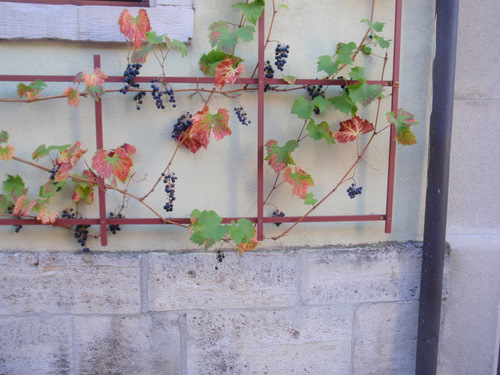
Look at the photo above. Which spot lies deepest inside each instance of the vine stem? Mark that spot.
(106, 187)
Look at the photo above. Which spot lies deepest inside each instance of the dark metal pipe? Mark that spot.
(431, 284)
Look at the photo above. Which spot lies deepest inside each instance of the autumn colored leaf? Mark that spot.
(23, 206)
(114, 163)
(351, 129)
(73, 96)
(83, 192)
(31, 91)
(300, 181)
(43, 150)
(50, 188)
(7, 152)
(226, 73)
(290, 79)
(46, 216)
(279, 157)
(402, 121)
(68, 159)
(134, 28)
(210, 61)
(204, 122)
(187, 140)
(250, 245)
(95, 79)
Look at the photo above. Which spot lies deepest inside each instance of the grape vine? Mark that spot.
(112, 169)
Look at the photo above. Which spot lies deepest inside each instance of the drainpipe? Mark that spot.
(431, 284)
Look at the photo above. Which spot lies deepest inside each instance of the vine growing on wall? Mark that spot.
(112, 169)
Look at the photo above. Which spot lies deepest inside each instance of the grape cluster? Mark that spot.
(281, 54)
(138, 99)
(129, 74)
(315, 91)
(53, 171)
(169, 181)
(68, 214)
(157, 95)
(269, 73)
(81, 231)
(183, 123)
(353, 191)
(242, 115)
(113, 228)
(219, 257)
(278, 213)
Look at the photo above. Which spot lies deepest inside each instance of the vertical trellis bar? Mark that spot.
(394, 107)
(260, 131)
(100, 144)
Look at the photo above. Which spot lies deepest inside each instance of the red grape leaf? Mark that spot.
(280, 157)
(95, 79)
(46, 216)
(189, 141)
(204, 121)
(225, 73)
(300, 181)
(250, 245)
(73, 96)
(68, 159)
(7, 152)
(351, 129)
(403, 121)
(115, 163)
(23, 206)
(31, 91)
(134, 28)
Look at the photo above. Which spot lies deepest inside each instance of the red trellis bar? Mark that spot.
(260, 82)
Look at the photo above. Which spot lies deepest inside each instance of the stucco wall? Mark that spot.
(469, 343)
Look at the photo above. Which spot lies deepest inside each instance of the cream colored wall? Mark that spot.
(222, 178)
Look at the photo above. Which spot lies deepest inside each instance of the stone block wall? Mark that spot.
(335, 310)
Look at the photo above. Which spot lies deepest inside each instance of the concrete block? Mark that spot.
(144, 345)
(385, 338)
(35, 345)
(385, 272)
(190, 281)
(291, 341)
(69, 282)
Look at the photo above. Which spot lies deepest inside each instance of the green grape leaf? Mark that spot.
(4, 136)
(326, 64)
(134, 28)
(290, 79)
(176, 45)
(222, 38)
(209, 62)
(14, 186)
(310, 199)
(252, 11)
(302, 108)
(242, 232)
(321, 103)
(351, 129)
(226, 72)
(366, 50)
(31, 91)
(402, 121)
(364, 93)
(204, 122)
(43, 150)
(344, 103)
(320, 131)
(344, 52)
(357, 73)
(7, 152)
(284, 6)
(5, 203)
(383, 43)
(50, 188)
(206, 228)
(375, 26)
(279, 157)
(300, 181)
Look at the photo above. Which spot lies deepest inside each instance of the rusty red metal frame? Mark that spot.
(260, 81)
